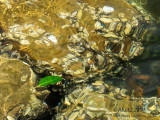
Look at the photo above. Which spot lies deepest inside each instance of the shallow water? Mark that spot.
(126, 71)
(149, 61)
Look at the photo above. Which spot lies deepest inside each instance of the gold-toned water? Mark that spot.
(77, 38)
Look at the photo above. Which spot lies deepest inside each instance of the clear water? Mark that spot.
(147, 66)
(149, 62)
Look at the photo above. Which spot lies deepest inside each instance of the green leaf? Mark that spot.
(49, 80)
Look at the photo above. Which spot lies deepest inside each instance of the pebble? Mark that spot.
(79, 14)
(117, 90)
(55, 60)
(106, 20)
(53, 39)
(110, 34)
(123, 92)
(108, 9)
(98, 25)
(24, 42)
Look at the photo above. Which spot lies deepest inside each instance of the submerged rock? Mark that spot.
(79, 38)
(76, 39)
(88, 103)
(17, 91)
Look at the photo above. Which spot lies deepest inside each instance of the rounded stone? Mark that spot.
(17, 89)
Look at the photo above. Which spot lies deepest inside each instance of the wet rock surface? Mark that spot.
(17, 96)
(86, 102)
(82, 41)
(78, 40)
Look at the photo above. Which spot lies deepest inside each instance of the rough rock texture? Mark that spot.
(17, 90)
(80, 38)
(92, 102)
